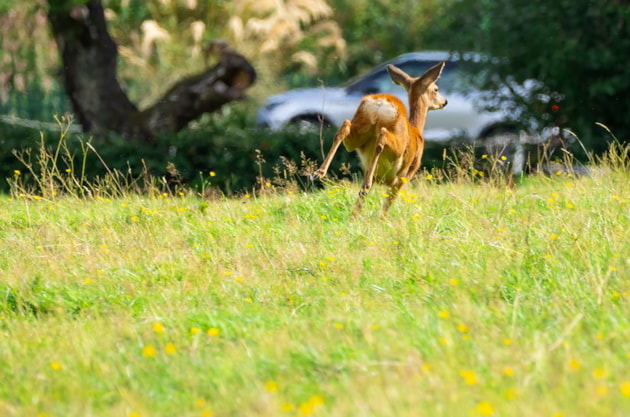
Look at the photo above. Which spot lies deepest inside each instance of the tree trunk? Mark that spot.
(89, 57)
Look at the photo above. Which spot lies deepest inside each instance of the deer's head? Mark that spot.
(422, 90)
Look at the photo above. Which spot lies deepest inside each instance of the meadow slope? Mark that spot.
(468, 300)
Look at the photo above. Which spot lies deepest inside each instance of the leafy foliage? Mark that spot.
(577, 49)
(161, 41)
(165, 40)
(287, 34)
(240, 155)
(27, 52)
(379, 30)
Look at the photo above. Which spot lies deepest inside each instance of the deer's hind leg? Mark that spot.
(394, 190)
(399, 182)
(368, 179)
(342, 133)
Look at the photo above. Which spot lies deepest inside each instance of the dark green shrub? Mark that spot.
(230, 146)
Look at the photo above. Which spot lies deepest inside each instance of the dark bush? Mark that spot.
(230, 146)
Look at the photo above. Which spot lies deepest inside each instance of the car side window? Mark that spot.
(378, 82)
(447, 79)
(416, 68)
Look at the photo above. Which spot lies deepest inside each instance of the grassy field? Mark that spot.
(468, 300)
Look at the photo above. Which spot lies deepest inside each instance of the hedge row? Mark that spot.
(225, 150)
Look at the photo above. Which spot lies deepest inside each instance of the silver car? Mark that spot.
(461, 119)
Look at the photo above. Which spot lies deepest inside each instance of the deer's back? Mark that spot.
(375, 112)
(379, 110)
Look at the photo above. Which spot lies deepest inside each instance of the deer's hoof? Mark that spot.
(319, 174)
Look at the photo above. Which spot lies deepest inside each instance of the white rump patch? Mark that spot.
(380, 109)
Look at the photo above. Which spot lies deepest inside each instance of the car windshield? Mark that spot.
(452, 79)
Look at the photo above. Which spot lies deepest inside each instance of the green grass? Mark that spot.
(468, 300)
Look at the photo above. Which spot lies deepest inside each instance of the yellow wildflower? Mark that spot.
(469, 377)
(149, 351)
(158, 327)
(170, 349)
(485, 408)
(271, 387)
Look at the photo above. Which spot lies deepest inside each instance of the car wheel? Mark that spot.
(311, 123)
(504, 151)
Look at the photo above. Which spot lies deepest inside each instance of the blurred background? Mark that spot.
(577, 50)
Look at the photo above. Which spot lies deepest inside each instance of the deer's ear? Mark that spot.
(399, 76)
(432, 74)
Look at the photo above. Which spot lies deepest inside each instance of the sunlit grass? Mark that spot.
(469, 299)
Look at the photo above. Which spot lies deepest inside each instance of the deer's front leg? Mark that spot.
(342, 133)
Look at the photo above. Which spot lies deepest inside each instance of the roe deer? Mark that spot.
(389, 144)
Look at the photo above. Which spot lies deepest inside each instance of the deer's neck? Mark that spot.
(417, 114)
